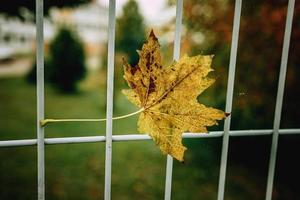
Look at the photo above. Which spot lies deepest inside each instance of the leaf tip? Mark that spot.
(123, 60)
(152, 35)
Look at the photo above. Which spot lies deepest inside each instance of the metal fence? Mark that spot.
(41, 141)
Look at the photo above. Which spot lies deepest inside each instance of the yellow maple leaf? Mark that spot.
(168, 96)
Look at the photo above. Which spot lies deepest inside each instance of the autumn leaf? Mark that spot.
(168, 96)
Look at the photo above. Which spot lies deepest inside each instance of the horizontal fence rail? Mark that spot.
(136, 137)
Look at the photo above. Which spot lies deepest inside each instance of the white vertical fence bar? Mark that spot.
(176, 55)
(40, 97)
(279, 98)
(168, 183)
(229, 97)
(178, 24)
(109, 100)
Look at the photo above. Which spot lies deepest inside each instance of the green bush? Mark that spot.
(65, 64)
(66, 60)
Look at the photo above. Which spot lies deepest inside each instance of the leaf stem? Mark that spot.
(48, 121)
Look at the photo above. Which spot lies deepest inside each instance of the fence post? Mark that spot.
(229, 96)
(40, 98)
(109, 101)
(176, 55)
(279, 98)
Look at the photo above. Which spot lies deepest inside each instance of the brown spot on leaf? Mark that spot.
(148, 61)
(133, 69)
(132, 84)
(151, 86)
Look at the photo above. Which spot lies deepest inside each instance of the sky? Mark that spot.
(155, 12)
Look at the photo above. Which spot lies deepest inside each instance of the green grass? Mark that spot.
(76, 171)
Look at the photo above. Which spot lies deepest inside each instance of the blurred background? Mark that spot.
(75, 75)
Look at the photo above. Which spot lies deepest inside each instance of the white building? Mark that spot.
(16, 36)
(90, 22)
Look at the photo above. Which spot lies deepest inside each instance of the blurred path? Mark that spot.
(15, 67)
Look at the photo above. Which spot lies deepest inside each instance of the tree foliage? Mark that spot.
(13, 7)
(65, 63)
(257, 71)
(130, 31)
(259, 54)
(130, 35)
(66, 60)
